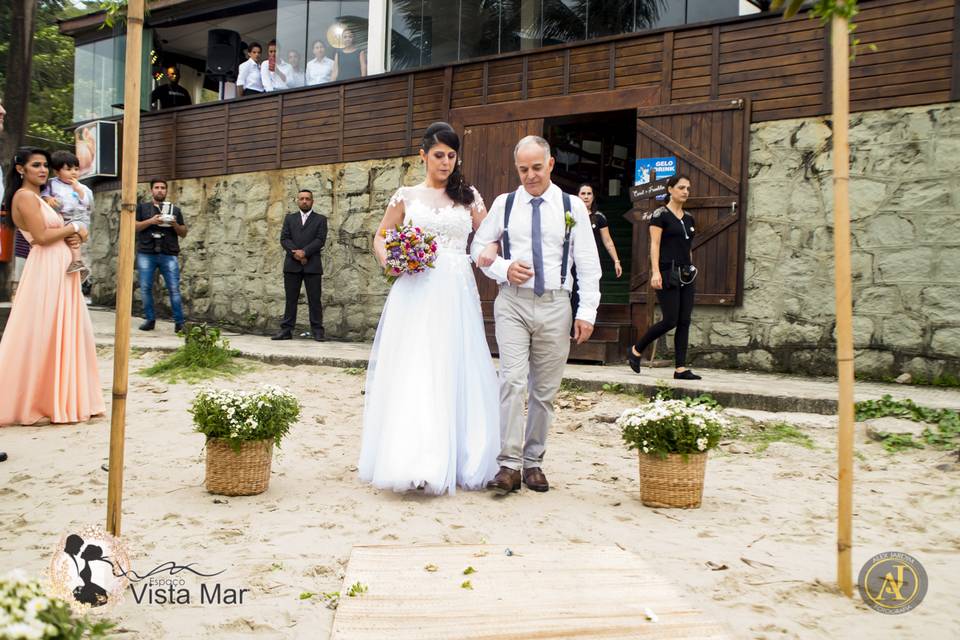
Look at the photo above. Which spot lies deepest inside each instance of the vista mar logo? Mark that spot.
(91, 570)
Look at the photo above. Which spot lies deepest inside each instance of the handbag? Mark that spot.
(679, 276)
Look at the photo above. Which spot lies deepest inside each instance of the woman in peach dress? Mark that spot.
(48, 360)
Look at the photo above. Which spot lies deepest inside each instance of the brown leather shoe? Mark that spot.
(535, 480)
(505, 481)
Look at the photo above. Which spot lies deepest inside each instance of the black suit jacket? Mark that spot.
(310, 237)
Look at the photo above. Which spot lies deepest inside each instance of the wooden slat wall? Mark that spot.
(782, 66)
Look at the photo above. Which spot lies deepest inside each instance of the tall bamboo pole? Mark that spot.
(121, 344)
(841, 247)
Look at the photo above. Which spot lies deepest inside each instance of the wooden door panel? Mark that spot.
(709, 144)
(488, 165)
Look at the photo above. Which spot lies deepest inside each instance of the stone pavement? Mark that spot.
(742, 389)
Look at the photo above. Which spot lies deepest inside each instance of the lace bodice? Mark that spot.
(433, 210)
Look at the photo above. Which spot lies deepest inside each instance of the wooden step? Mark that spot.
(609, 343)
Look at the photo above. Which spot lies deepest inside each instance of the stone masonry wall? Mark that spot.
(905, 227)
(905, 216)
(232, 262)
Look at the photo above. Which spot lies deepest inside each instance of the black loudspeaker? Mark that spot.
(223, 53)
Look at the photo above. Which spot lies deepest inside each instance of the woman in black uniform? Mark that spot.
(672, 275)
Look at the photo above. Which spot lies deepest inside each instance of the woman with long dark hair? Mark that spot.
(672, 275)
(49, 358)
(431, 416)
(599, 224)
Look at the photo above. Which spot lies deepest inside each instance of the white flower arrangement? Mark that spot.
(667, 426)
(242, 416)
(27, 613)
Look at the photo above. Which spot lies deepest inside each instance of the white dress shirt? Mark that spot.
(319, 71)
(303, 217)
(271, 79)
(294, 78)
(248, 76)
(583, 247)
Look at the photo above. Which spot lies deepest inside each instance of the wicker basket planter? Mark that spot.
(238, 473)
(673, 482)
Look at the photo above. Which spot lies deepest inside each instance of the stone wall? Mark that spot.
(905, 227)
(231, 259)
(905, 211)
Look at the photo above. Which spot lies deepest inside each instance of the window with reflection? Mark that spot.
(98, 69)
(424, 32)
(325, 39)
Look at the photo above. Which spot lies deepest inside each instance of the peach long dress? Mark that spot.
(48, 360)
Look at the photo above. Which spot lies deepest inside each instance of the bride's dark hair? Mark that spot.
(457, 187)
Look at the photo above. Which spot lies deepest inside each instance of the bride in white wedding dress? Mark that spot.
(431, 415)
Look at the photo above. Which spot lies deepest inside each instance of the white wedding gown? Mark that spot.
(431, 416)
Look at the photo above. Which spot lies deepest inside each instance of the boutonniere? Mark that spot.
(568, 221)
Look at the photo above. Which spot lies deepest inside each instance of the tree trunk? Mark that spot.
(16, 95)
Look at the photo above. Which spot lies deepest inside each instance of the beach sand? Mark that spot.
(768, 518)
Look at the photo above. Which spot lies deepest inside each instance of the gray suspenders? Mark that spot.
(505, 240)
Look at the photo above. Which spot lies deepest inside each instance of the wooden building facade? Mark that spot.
(691, 92)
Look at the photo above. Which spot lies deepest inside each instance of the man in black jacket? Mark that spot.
(303, 235)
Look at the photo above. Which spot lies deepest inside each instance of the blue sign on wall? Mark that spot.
(664, 167)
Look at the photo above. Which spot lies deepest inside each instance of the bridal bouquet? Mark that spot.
(409, 250)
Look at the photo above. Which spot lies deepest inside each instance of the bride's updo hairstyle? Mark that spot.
(457, 187)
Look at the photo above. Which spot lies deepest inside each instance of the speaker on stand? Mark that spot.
(223, 59)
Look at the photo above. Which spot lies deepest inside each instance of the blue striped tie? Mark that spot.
(536, 238)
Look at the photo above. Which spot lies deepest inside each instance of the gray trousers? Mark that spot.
(534, 339)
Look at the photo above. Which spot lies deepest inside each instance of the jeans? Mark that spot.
(147, 265)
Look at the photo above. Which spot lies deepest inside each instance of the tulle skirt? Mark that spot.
(431, 416)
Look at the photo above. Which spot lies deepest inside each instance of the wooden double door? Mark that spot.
(709, 141)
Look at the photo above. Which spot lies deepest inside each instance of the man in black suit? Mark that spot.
(303, 235)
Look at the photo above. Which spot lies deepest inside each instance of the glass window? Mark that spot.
(564, 21)
(406, 34)
(98, 71)
(660, 13)
(339, 25)
(441, 31)
(609, 17)
(701, 10)
(479, 28)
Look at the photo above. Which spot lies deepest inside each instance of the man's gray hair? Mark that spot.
(537, 140)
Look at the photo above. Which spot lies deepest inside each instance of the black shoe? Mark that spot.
(686, 374)
(320, 337)
(283, 335)
(177, 328)
(148, 325)
(634, 361)
(3, 456)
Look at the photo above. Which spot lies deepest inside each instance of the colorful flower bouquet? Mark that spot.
(409, 250)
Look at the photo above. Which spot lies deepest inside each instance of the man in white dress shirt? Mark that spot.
(545, 234)
(248, 76)
(274, 72)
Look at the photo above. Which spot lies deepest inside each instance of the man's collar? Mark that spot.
(526, 197)
(305, 213)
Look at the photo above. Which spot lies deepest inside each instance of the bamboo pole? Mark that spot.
(841, 243)
(121, 345)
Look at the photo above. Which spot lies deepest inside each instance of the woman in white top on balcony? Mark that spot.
(320, 69)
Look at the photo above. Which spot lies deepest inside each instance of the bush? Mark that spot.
(203, 354)
(243, 416)
(671, 426)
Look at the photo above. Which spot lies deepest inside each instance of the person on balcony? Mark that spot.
(248, 77)
(350, 62)
(296, 77)
(171, 94)
(274, 72)
(320, 69)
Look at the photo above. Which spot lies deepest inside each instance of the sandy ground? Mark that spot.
(774, 509)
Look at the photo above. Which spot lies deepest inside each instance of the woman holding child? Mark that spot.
(49, 358)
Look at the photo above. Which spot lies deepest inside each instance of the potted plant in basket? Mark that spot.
(673, 439)
(241, 428)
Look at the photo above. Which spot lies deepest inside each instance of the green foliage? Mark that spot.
(703, 400)
(765, 434)
(944, 432)
(469, 570)
(24, 603)
(244, 416)
(203, 355)
(671, 426)
(466, 585)
(571, 386)
(826, 11)
(356, 589)
(613, 387)
(332, 598)
(354, 371)
(306, 595)
(51, 74)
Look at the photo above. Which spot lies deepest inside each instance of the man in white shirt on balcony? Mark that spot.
(274, 72)
(248, 77)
